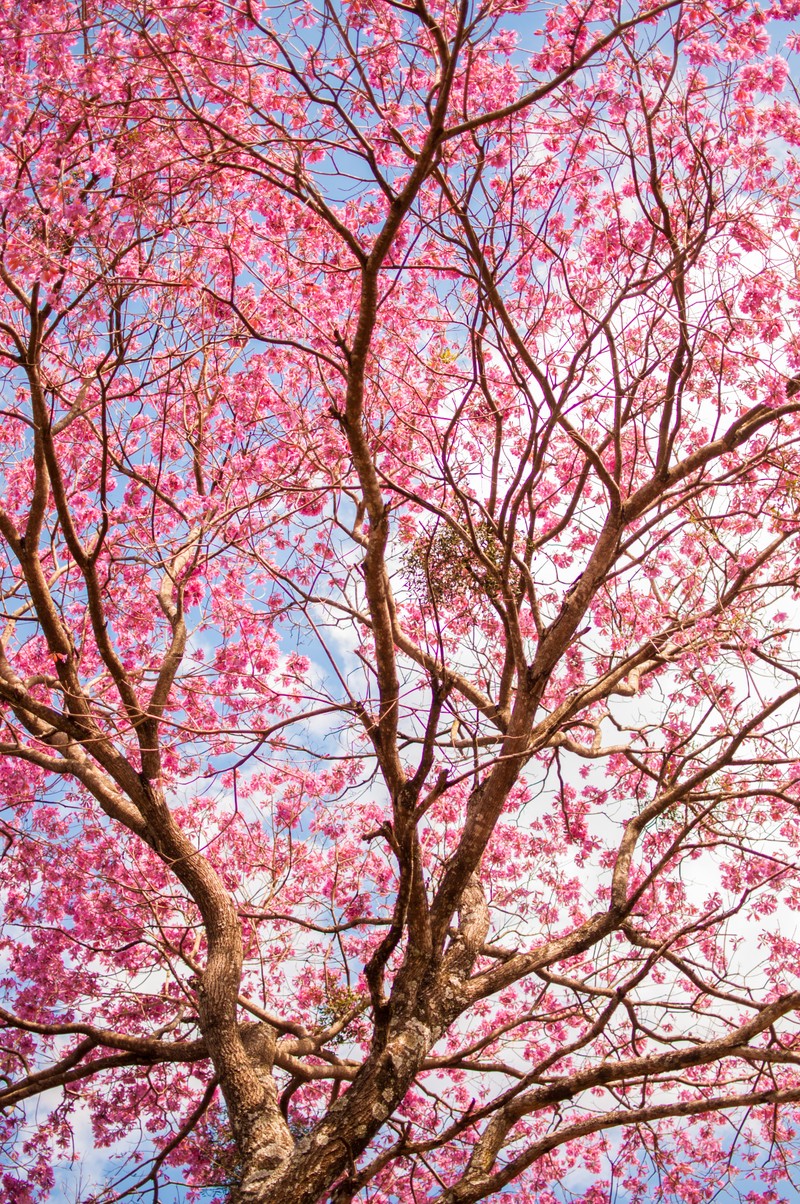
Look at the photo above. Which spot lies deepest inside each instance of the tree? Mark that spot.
(400, 684)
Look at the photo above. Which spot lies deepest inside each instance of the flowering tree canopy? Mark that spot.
(400, 671)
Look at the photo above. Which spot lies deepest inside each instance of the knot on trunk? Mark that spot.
(259, 1040)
